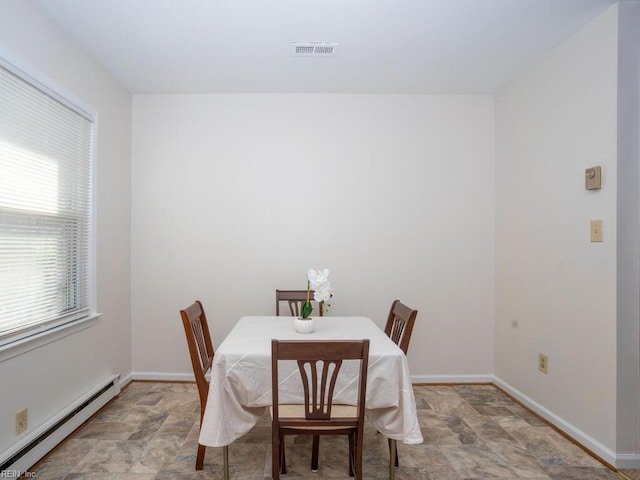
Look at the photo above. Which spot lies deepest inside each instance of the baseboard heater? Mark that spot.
(26, 453)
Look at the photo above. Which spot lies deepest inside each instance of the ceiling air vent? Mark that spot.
(314, 49)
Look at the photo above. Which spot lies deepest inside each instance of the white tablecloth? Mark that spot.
(240, 387)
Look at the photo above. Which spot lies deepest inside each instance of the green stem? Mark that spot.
(307, 308)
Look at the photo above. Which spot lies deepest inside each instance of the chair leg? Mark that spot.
(358, 462)
(397, 461)
(315, 453)
(392, 459)
(225, 462)
(200, 456)
(283, 459)
(275, 455)
(352, 453)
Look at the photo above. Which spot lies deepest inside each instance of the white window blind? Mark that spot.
(45, 192)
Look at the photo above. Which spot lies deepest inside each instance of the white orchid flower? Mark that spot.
(318, 277)
(324, 294)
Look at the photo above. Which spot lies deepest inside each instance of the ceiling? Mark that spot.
(385, 46)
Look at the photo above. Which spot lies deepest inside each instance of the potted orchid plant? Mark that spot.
(318, 281)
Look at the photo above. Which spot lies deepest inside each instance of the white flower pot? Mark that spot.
(304, 326)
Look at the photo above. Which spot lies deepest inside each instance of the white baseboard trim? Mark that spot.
(163, 377)
(628, 461)
(452, 378)
(188, 377)
(578, 435)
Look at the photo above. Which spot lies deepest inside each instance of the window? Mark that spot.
(46, 147)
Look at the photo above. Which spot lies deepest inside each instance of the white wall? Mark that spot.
(46, 380)
(628, 235)
(556, 291)
(237, 195)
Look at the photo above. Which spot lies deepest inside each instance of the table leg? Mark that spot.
(392, 459)
(225, 461)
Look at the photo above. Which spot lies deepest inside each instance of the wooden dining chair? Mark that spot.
(201, 352)
(400, 324)
(319, 363)
(399, 328)
(295, 299)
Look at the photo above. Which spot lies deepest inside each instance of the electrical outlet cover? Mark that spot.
(543, 363)
(22, 420)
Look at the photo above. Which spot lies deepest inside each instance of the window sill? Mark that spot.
(38, 340)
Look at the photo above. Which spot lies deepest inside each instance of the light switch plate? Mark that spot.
(597, 234)
(593, 178)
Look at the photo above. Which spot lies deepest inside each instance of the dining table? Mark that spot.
(240, 384)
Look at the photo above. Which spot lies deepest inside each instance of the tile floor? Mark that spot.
(471, 432)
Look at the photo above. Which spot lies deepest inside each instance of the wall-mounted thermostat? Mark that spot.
(593, 178)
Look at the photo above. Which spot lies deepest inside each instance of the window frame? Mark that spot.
(48, 331)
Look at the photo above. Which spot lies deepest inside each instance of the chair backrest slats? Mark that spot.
(398, 328)
(318, 394)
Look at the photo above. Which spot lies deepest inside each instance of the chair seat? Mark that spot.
(297, 411)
